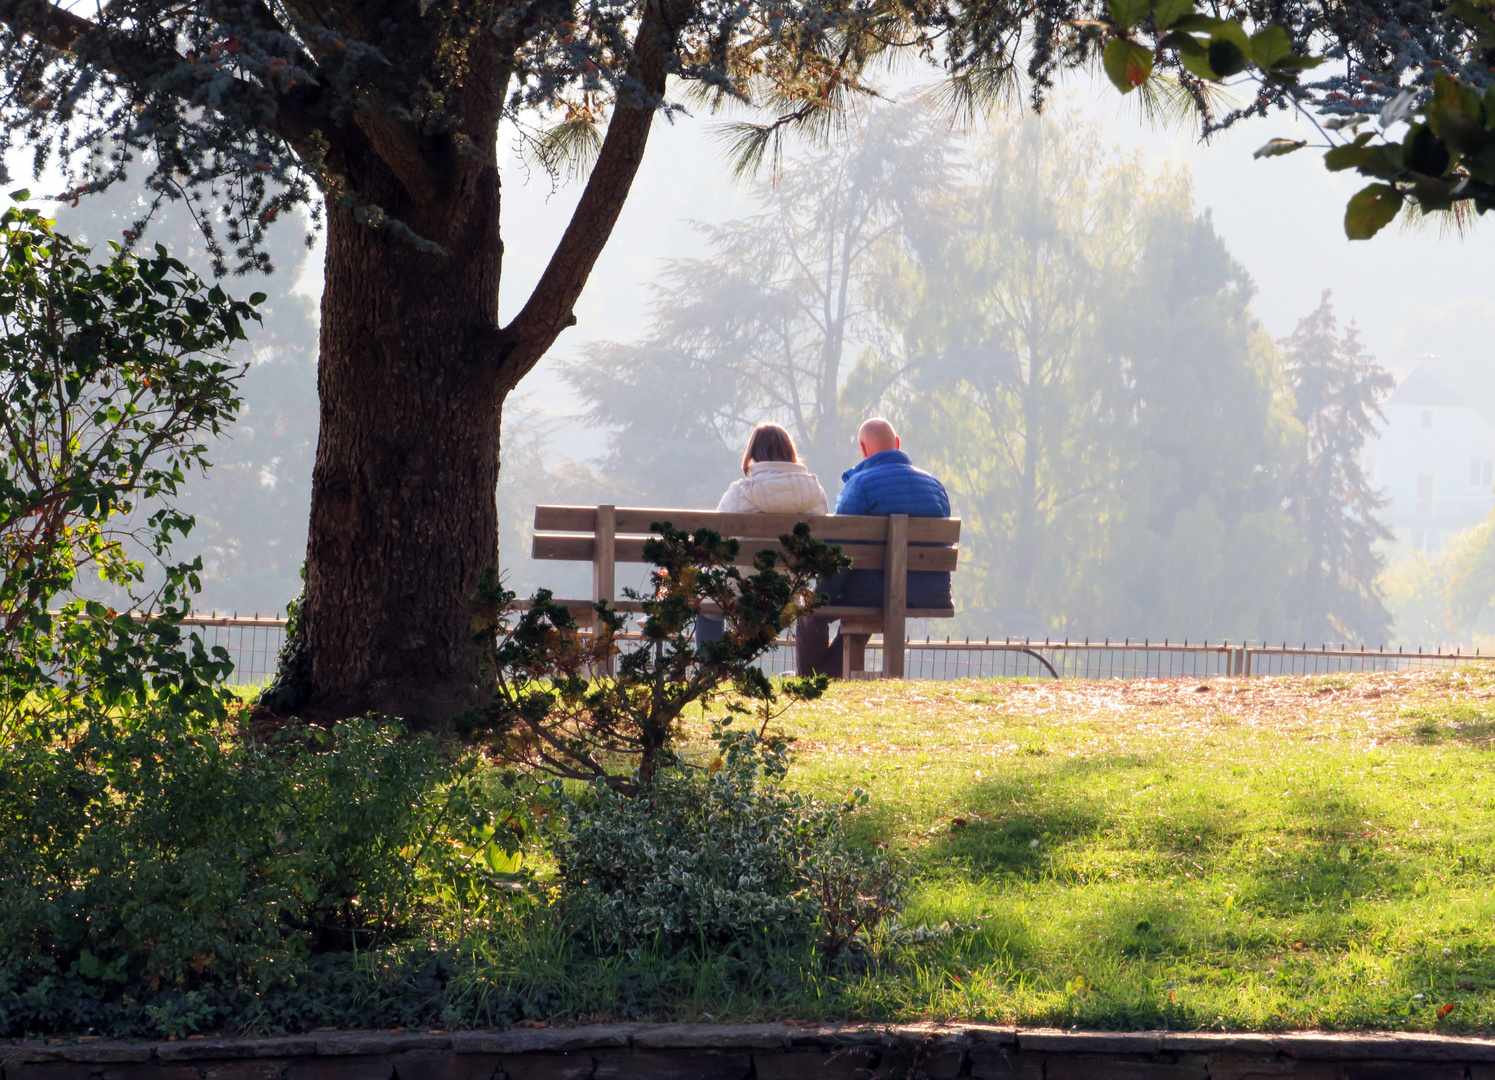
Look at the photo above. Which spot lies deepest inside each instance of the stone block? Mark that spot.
(943, 1064)
(248, 1069)
(151, 1071)
(711, 1037)
(1376, 1046)
(677, 1065)
(1212, 1043)
(1092, 1042)
(989, 1035)
(1252, 1067)
(834, 1035)
(1006, 1065)
(29, 1051)
(1096, 1067)
(1401, 1070)
(577, 1065)
(813, 1065)
(365, 1043)
(106, 1051)
(198, 1050)
(447, 1066)
(378, 1067)
(543, 1040)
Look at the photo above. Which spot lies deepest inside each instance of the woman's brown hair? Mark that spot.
(768, 442)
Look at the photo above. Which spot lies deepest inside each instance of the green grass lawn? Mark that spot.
(1268, 853)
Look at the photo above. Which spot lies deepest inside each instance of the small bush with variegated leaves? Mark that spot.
(724, 853)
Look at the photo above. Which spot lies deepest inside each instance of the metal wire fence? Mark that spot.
(254, 643)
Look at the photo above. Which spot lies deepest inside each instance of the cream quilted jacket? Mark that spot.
(775, 487)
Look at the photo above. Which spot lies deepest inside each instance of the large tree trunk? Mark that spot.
(403, 514)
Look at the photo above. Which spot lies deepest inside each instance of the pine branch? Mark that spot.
(289, 115)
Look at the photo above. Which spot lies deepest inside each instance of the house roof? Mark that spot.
(1422, 387)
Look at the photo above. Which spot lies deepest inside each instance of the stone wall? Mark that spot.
(761, 1052)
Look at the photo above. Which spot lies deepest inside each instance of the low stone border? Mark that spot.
(763, 1052)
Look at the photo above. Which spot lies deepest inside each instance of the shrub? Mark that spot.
(112, 380)
(148, 858)
(547, 711)
(718, 855)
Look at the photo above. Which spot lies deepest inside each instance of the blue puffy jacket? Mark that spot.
(888, 483)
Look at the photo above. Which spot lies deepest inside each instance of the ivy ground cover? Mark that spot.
(1248, 854)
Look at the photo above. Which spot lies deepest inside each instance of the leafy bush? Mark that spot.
(112, 380)
(718, 855)
(548, 712)
(150, 858)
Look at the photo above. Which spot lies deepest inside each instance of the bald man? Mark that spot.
(885, 482)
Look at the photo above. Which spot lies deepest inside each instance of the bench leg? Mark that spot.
(854, 655)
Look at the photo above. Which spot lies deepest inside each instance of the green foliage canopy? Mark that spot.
(113, 381)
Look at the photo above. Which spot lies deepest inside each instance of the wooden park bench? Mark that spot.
(607, 535)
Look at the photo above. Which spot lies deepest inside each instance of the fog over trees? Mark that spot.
(1055, 325)
(1060, 335)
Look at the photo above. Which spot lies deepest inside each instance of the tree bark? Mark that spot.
(403, 514)
(413, 374)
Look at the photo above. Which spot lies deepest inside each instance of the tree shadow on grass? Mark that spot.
(1018, 819)
(1461, 722)
(1044, 822)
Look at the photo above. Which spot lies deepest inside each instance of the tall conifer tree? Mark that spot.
(1337, 388)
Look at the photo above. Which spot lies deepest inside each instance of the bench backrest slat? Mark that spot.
(832, 528)
(630, 549)
(607, 535)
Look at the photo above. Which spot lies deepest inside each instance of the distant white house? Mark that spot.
(1435, 461)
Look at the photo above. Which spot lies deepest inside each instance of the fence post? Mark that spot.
(604, 564)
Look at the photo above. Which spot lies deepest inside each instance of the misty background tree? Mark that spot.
(1066, 341)
(250, 505)
(765, 326)
(1337, 389)
(1086, 375)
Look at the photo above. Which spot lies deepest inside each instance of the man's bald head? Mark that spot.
(875, 436)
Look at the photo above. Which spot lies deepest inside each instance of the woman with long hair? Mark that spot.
(774, 481)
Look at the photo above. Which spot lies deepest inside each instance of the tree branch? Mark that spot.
(400, 147)
(549, 308)
(140, 63)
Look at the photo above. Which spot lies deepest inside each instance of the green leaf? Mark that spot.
(1126, 14)
(1232, 31)
(20, 195)
(1226, 58)
(1197, 62)
(1186, 44)
(1278, 147)
(1371, 210)
(1128, 65)
(1270, 46)
(257, 298)
(1196, 23)
(1425, 153)
(1454, 115)
(1383, 162)
(1167, 12)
